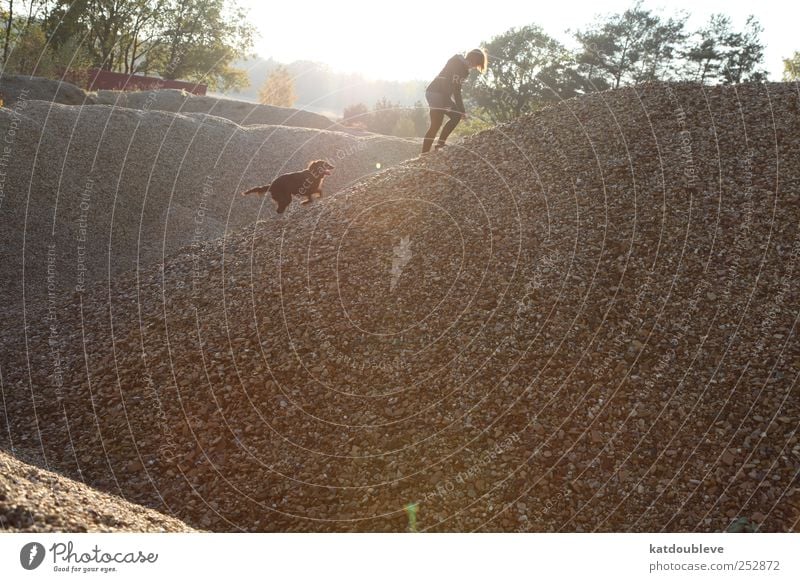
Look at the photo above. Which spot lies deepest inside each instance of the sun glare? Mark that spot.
(411, 41)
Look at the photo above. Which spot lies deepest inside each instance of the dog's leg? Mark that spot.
(281, 202)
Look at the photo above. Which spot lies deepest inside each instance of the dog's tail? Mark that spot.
(257, 190)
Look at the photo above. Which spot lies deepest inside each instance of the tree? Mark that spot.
(113, 26)
(27, 54)
(404, 128)
(9, 22)
(660, 48)
(141, 35)
(15, 27)
(717, 53)
(419, 117)
(199, 40)
(355, 113)
(66, 20)
(706, 51)
(385, 116)
(745, 52)
(591, 60)
(631, 47)
(105, 27)
(526, 69)
(388, 118)
(31, 55)
(791, 67)
(278, 89)
(638, 45)
(477, 121)
(196, 40)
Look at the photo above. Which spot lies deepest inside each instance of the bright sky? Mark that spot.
(413, 40)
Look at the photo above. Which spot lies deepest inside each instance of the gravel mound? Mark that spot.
(33, 500)
(94, 191)
(22, 87)
(585, 320)
(241, 112)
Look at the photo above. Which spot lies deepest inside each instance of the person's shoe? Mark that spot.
(439, 146)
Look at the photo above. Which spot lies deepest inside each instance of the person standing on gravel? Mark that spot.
(444, 95)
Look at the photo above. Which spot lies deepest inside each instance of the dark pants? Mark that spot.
(440, 105)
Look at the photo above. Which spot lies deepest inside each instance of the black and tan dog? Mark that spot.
(305, 183)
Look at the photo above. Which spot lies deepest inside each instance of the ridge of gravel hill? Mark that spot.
(35, 500)
(16, 88)
(584, 320)
(241, 112)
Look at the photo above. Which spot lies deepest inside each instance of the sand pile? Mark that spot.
(96, 190)
(34, 500)
(581, 321)
(23, 87)
(241, 112)
(14, 88)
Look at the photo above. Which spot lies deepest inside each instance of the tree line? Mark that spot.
(194, 40)
(791, 67)
(529, 68)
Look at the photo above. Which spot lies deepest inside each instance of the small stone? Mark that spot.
(728, 458)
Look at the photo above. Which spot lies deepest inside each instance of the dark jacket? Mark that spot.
(449, 81)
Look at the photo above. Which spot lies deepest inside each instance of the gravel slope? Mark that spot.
(90, 192)
(241, 112)
(34, 500)
(23, 87)
(26, 88)
(585, 320)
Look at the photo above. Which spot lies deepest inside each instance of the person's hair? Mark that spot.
(478, 56)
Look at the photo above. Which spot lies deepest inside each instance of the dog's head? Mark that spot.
(320, 168)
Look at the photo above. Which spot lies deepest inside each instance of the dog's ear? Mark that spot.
(314, 164)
